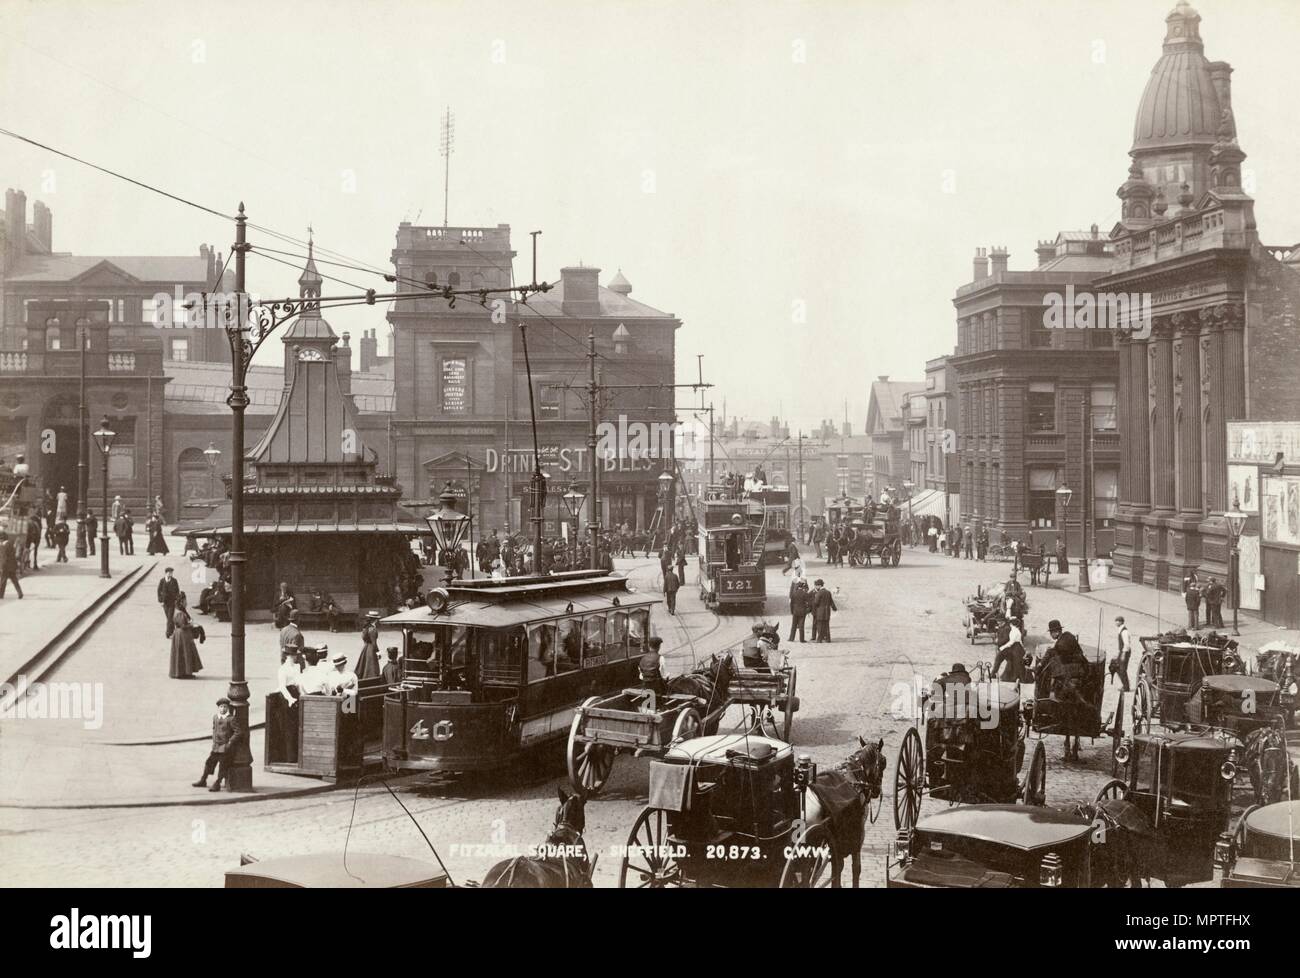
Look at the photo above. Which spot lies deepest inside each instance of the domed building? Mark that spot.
(1222, 345)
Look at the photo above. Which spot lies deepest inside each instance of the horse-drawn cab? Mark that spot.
(741, 809)
(1263, 850)
(1173, 666)
(1066, 699)
(993, 847)
(1280, 662)
(1171, 805)
(973, 752)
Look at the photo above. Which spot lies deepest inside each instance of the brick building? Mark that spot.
(461, 399)
(1223, 344)
(1023, 391)
(888, 459)
(50, 300)
(941, 415)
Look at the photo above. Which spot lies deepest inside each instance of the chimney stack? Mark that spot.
(581, 290)
(1046, 251)
(43, 225)
(369, 350)
(1221, 79)
(15, 226)
(343, 364)
(998, 258)
(981, 264)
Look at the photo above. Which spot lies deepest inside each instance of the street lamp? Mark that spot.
(449, 528)
(1063, 495)
(1236, 521)
(213, 455)
(104, 440)
(573, 500)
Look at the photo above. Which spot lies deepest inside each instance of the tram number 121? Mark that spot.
(738, 584)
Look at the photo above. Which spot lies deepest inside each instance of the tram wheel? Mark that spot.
(909, 780)
(648, 860)
(688, 724)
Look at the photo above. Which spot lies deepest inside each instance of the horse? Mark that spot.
(838, 804)
(710, 681)
(562, 862)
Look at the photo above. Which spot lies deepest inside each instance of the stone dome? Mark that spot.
(1181, 105)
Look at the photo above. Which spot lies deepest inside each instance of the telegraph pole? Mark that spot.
(800, 482)
(83, 452)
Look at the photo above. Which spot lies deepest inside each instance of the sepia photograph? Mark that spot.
(346, 545)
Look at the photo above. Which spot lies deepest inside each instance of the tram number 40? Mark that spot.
(738, 584)
(442, 730)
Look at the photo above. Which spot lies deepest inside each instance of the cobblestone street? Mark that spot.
(893, 625)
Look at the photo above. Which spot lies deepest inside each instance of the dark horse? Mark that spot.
(562, 861)
(837, 805)
(710, 682)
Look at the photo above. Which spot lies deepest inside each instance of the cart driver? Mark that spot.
(1063, 669)
(649, 669)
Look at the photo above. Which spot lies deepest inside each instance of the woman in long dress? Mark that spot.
(185, 661)
(367, 666)
(157, 543)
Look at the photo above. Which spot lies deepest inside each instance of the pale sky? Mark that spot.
(734, 159)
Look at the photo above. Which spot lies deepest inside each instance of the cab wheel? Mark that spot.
(648, 862)
(1036, 781)
(809, 866)
(909, 780)
(688, 724)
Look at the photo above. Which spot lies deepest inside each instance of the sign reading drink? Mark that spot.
(1262, 441)
(455, 385)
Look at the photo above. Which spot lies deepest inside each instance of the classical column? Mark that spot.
(1124, 420)
(1234, 362)
(1136, 437)
(1160, 379)
(1187, 412)
(1214, 451)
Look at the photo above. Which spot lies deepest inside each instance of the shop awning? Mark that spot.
(929, 502)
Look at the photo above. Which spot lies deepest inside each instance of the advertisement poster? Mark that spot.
(1280, 514)
(1249, 573)
(1243, 488)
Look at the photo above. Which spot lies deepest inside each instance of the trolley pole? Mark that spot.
(800, 490)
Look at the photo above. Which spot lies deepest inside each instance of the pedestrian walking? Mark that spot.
(823, 604)
(933, 535)
(185, 661)
(799, 607)
(1192, 599)
(368, 661)
(224, 730)
(61, 506)
(681, 564)
(61, 541)
(169, 590)
(33, 542)
(968, 538)
(157, 543)
(8, 566)
(290, 636)
(92, 525)
(1062, 559)
(671, 586)
(1124, 651)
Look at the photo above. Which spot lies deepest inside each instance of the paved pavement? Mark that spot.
(893, 625)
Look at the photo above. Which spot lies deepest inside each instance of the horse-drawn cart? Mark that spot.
(638, 721)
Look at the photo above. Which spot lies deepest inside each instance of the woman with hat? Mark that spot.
(341, 679)
(367, 666)
(185, 661)
(289, 678)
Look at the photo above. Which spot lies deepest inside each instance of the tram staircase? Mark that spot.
(760, 540)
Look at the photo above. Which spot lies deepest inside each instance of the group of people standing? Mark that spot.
(1212, 593)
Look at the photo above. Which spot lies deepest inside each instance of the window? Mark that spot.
(568, 645)
(1105, 495)
(454, 280)
(151, 311)
(53, 335)
(638, 632)
(1103, 406)
(1101, 339)
(1037, 335)
(1040, 406)
(1041, 506)
(548, 401)
(616, 636)
(593, 641)
(180, 349)
(554, 649)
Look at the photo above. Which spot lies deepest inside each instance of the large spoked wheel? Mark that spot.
(1112, 790)
(589, 763)
(648, 862)
(1036, 781)
(909, 780)
(897, 555)
(757, 719)
(809, 865)
(1142, 699)
(688, 725)
(789, 706)
(1116, 734)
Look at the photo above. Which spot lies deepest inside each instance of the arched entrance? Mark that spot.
(58, 446)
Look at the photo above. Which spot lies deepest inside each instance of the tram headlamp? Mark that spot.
(1223, 850)
(1049, 871)
(903, 845)
(1292, 689)
(1229, 769)
(1124, 751)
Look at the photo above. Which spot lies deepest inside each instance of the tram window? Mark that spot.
(593, 640)
(541, 657)
(616, 636)
(456, 654)
(500, 653)
(638, 631)
(568, 645)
